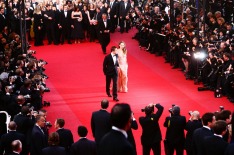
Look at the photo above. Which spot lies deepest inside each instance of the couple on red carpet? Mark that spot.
(115, 68)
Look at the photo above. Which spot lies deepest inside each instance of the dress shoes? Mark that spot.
(109, 95)
(115, 99)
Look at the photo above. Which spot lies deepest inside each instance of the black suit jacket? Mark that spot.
(175, 129)
(100, 124)
(123, 12)
(104, 36)
(65, 21)
(84, 147)
(54, 150)
(109, 68)
(65, 139)
(2, 22)
(215, 145)
(198, 140)
(115, 143)
(38, 141)
(114, 9)
(230, 149)
(151, 132)
(8, 138)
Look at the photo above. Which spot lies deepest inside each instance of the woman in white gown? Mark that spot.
(123, 68)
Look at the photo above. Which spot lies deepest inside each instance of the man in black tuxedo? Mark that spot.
(151, 134)
(208, 120)
(115, 141)
(2, 19)
(65, 135)
(215, 144)
(113, 15)
(230, 149)
(110, 69)
(38, 137)
(8, 138)
(124, 9)
(100, 121)
(83, 145)
(65, 24)
(104, 26)
(16, 146)
(175, 137)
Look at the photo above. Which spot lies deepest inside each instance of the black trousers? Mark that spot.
(114, 79)
(156, 147)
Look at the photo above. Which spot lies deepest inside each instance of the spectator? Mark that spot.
(83, 145)
(16, 147)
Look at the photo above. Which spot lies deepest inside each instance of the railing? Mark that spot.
(8, 119)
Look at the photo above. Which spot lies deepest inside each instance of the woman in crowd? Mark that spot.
(85, 22)
(93, 22)
(77, 30)
(37, 28)
(123, 65)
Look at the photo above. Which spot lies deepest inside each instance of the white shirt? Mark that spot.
(114, 58)
(120, 130)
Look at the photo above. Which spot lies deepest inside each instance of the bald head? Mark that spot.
(16, 146)
(12, 125)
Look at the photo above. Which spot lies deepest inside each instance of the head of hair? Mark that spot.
(228, 55)
(53, 138)
(104, 104)
(38, 118)
(16, 145)
(25, 110)
(60, 122)
(207, 117)
(27, 82)
(149, 110)
(219, 127)
(82, 131)
(120, 115)
(113, 48)
(176, 110)
(223, 115)
(124, 49)
(12, 125)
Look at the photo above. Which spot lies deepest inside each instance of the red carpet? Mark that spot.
(77, 84)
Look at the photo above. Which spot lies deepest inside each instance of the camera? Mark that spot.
(170, 110)
(43, 62)
(48, 124)
(221, 108)
(31, 52)
(190, 113)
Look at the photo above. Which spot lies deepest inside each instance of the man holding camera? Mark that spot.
(175, 137)
(151, 134)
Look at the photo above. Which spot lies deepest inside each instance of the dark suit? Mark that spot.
(7, 139)
(115, 143)
(111, 71)
(198, 140)
(55, 150)
(230, 149)
(65, 22)
(84, 147)
(175, 134)
(123, 12)
(65, 139)
(215, 145)
(114, 8)
(151, 134)
(2, 22)
(104, 37)
(38, 141)
(130, 138)
(100, 124)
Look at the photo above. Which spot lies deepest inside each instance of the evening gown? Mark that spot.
(77, 32)
(123, 72)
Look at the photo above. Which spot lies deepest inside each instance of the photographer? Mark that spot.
(175, 138)
(193, 123)
(151, 134)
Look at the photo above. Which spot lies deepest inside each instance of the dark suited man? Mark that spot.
(131, 139)
(110, 69)
(65, 24)
(53, 147)
(49, 17)
(103, 27)
(114, 8)
(65, 135)
(215, 144)
(175, 137)
(151, 134)
(83, 146)
(16, 146)
(100, 121)
(9, 137)
(208, 120)
(124, 9)
(38, 137)
(3, 20)
(230, 149)
(193, 123)
(115, 142)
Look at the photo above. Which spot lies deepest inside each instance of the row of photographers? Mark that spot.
(204, 55)
(22, 76)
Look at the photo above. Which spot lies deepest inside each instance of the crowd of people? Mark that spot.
(197, 41)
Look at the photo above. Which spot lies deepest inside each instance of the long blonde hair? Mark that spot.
(124, 49)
